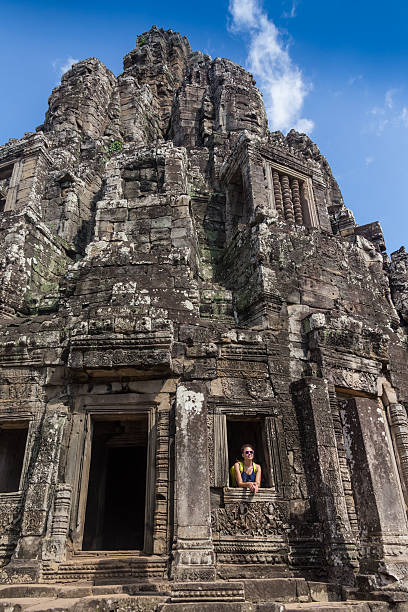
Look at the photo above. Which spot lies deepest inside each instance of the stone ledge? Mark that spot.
(207, 591)
(232, 495)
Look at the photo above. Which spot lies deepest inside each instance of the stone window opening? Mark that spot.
(291, 196)
(247, 432)
(264, 433)
(5, 178)
(13, 442)
(116, 496)
(237, 205)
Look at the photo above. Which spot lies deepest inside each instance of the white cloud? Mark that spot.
(62, 66)
(292, 13)
(69, 62)
(392, 114)
(369, 160)
(354, 79)
(389, 97)
(281, 82)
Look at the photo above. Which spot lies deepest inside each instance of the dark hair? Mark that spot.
(238, 459)
(245, 445)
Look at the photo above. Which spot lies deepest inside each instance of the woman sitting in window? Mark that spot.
(245, 473)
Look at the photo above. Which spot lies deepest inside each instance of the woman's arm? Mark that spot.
(238, 477)
(257, 479)
(258, 476)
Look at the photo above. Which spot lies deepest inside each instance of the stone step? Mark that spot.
(111, 570)
(78, 590)
(331, 606)
(276, 589)
(102, 603)
(155, 603)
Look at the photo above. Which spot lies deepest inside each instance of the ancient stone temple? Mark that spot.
(177, 281)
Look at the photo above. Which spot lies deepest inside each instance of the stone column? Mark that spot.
(323, 470)
(193, 550)
(278, 193)
(377, 490)
(54, 547)
(287, 199)
(399, 429)
(297, 206)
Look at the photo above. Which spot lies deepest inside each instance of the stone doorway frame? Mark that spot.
(82, 427)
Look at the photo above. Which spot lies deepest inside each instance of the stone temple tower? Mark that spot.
(175, 281)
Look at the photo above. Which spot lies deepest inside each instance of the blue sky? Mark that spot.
(338, 69)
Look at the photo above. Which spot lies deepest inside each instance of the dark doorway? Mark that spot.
(115, 511)
(13, 439)
(241, 432)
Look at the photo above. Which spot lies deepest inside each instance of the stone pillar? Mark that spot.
(297, 206)
(54, 547)
(277, 190)
(193, 550)
(399, 429)
(287, 199)
(324, 477)
(377, 490)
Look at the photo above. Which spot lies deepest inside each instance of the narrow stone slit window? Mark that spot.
(237, 204)
(5, 178)
(248, 431)
(115, 510)
(13, 440)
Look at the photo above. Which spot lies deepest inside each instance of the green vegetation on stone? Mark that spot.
(115, 147)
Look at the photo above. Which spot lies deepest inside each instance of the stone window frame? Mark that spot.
(234, 205)
(80, 457)
(310, 216)
(11, 197)
(28, 422)
(274, 452)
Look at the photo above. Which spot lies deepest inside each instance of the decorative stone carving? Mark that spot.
(287, 199)
(297, 206)
(252, 519)
(278, 193)
(54, 548)
(399, 429)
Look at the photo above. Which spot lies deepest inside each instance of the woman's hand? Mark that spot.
(253, 487)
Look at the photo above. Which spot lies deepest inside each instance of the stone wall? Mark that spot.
(168, 260)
